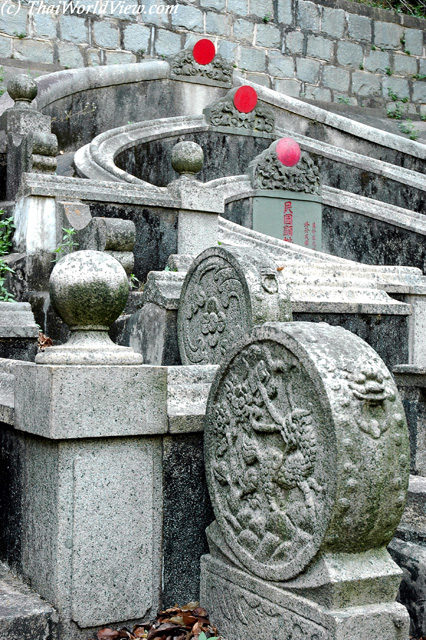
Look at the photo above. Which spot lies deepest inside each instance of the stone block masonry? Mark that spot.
(307, 47)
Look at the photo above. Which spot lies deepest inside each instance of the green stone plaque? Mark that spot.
(292, 216)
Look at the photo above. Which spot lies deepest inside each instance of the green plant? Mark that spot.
(343, 100)
(407, 52)
(423, 118)
(134, 281)
(418, 76)
(267, 17)
(389, 71)
(203, 636)
(67, 245)
(409, 129)
(392, 95)
(361, 67)
(373, 47)
(402, 41)
(397, 113)
(6, 231)
(21, 36)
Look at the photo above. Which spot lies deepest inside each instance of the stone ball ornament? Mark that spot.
(306, 448)
(225, 292)
(187, 158)
(22, 89)
(89, 290)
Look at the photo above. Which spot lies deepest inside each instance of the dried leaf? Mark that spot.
(107, 634)
(280, 268)
(190, 606)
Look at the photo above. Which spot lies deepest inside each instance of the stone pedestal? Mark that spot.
(241, 605)
(307, 464)
(18, 331)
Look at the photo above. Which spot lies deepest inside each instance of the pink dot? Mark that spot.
(288, 152)
(245, 99)
(204, 51)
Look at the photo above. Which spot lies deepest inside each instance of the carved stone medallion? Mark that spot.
(306, 447)
(267, 172)
(226, 292)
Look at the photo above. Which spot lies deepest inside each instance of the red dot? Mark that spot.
(288, 152)
(204, 51)
(245, 99)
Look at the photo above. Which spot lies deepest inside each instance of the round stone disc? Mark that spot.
(225, 292)
(306, 448)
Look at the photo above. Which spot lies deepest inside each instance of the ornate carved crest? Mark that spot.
(224, 114)
(218, 71)
(267, 172)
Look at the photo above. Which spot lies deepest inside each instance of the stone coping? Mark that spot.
(57, 85)
(360, 161)
(410, 375)
(180, 409)
(96, 160)
(95, 190)
(354, 128)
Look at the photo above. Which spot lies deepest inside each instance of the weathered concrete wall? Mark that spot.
(324, 50)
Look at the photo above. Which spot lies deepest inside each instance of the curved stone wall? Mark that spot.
(337, 51)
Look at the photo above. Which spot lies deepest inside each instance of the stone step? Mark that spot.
(23, 614)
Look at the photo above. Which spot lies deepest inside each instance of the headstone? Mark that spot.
(225, 293)
(307, 464)
(287, 202)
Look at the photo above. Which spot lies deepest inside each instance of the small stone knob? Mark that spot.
(187, 158)
(22, 89)
(89, 290)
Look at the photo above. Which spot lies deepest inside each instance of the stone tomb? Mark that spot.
(307, 464)
(287, 202)
(226, 291)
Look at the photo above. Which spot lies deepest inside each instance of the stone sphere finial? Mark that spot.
(187, 158)
(22, 89)
(89, 290)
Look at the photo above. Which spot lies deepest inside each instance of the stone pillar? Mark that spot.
(23, 124)
(417, 329)
(91, 524)
(199, 204)
(307, 465)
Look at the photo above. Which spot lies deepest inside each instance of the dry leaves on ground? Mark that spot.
(43, 341)
(176, 623)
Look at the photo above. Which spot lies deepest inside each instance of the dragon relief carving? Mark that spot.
(224, 114)
(265, 458)
(219, 70)
(267, 172)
